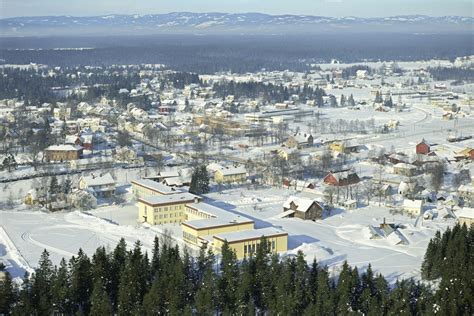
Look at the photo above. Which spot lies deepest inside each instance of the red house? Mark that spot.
(341, 178)
(422, 148)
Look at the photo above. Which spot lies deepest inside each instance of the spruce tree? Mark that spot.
(343, 290)
(227, 283)
(7, 295)
(100, 301)
(60, 289)
(119, 257)
(81, 282)
(41, 284)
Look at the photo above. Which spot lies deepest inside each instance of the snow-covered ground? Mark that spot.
(342, 236)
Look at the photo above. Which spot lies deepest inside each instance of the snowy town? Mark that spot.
(346, 162)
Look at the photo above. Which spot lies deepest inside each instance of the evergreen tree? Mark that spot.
(100, 302)
(324, 296)
(81, 282)
(41, 284)
(119, 257)
(54, 187)
(199, 181)
(227, 284)
(342, 102)
(7, 295)
(133, 282)
(351, 100)
(344, 290)
(67, 186)
(60, 289)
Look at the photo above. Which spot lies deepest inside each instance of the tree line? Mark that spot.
(172, 282)
(267, 91)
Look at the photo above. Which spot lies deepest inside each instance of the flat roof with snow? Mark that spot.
(208, 223)
(155, 186)
(177, 198)
(251, 234)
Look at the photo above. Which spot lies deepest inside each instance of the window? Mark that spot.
(273, 245)
(245, 249)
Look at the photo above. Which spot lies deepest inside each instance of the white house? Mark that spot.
(413, 207)
(101, 185)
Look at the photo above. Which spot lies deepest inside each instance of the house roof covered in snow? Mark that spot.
(302, 204)
(465, 212)
(233, 170)
(94, 180)
(412, 203)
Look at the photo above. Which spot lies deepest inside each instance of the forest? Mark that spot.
(213, 53)
(171, 282)
(267, 91)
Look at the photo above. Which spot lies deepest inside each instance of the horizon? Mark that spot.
(235, 13)
(327, 8)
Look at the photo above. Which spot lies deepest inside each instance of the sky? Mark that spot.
(334, 8)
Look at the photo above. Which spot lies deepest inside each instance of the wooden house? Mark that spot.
(423, 148)
(341, 178)
(304, 208)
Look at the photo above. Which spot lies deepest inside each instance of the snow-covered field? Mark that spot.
(342, 236)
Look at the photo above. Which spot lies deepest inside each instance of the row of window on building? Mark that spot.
(161, 216)
(253, 247)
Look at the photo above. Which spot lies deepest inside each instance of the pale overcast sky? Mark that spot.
(336, 8)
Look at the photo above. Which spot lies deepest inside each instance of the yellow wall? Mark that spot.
(220, 178)
(412, 210)
(467, 221)
(277, 245)
(192, 214)
(167, 214)
(191, 234)
(337, 147)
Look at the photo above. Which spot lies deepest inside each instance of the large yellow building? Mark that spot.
(205, 220)
(246, 243)
(165, 209)
(199, 232)
(145, 187)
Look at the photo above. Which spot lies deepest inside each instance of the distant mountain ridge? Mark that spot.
(237, 23)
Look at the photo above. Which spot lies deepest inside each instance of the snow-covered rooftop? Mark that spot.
(168, 199)
(250, 234)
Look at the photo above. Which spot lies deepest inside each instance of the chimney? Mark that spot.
(196, 199)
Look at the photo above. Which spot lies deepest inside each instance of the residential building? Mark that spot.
(342, 178)
(304, 208)
(299, 141)
(285, 153)
(423, 148)
(404, 169)
(92, 163)
(413, 207)
(466, 192)
(232, 174)
(63, 152)
(465, 216)
(100, 185)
